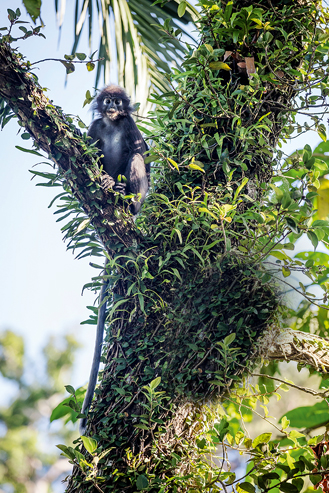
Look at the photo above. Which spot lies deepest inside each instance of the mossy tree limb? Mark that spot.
(298, 346)
(53, 134)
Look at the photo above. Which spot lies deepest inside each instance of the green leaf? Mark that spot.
(308, 416)
(320, 223)
(288, 488)
(142, 482)
(70, 68)
(320, 164)
(81, 56)
(263, 438)
(322, 134)
(240, 187)
(228, 11)
(173, 163)
(317, 258)
(299, 483)
(315, 478)
(250, 488)
(181, 9)
(209, 48)
(278, 192)
(68, 451)
(195, 166)
(229, 339)
(30, 151)
(79, 455)
(155, 383)
(11, 14)
(204, 209)
(89, 443)
(63, 409)
(90, 66)
(279, 255)
(292, 224)
(141, 426)
(219, 66)
(141, 301)
(33, 8)
(222, 428)
(296, 434)
(314, 239)
(70, 389)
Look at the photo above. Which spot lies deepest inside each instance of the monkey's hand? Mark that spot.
(107, 182)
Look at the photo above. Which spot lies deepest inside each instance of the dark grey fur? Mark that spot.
(121, 143)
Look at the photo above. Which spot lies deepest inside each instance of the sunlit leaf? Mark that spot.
(90, 444)
(219, 66)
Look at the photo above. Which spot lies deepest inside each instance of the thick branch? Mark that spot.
(294, 345)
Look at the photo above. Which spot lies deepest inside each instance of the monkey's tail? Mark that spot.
(97, 356)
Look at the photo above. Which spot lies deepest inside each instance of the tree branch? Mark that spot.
(294, 345)
(57, 138)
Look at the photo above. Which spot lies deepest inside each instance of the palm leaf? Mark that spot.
(131, 40)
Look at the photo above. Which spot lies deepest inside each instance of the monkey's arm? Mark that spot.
(95, 131)
(97, 356)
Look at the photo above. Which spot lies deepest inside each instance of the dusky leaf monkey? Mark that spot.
(122, 146)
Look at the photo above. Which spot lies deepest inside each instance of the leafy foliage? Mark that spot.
(23, 459)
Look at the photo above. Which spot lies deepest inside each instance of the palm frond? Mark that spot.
(130, 39)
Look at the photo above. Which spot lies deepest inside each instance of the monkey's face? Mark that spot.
(113, 107)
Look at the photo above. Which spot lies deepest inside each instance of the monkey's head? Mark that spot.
(113, 103)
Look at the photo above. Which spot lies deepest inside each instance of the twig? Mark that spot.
(303, 389)
(66, 61)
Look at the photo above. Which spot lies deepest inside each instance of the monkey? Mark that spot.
(122, 145)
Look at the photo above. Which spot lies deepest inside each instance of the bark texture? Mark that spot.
(295, 345)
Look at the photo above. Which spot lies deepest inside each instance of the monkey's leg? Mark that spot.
(120, 187)
(137, 182)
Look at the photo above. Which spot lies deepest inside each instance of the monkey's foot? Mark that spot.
(120, 187)
(107, 182)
